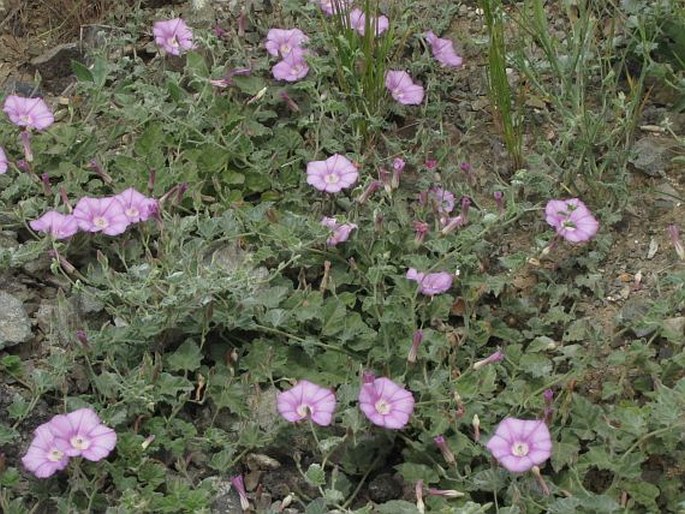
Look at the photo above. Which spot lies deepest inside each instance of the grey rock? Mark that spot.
(15, 326)
(384, 488)
(652, 155)
(227, 500)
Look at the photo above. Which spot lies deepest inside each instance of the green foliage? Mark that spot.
(198, 319)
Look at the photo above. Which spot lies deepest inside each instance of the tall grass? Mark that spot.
(500, 91)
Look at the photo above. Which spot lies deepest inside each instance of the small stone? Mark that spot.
(384, 488)
(15, 325)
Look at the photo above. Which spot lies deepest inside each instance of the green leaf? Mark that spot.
(397, 507)
(187, 357)
(82, 72)
(413, 472)
(315, 475)
(536, 365)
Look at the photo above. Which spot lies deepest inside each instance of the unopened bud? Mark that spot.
(495, 357)
(447, 454)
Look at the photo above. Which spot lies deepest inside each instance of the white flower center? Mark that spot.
(80, 443)
(132, 212)
(285, 49)
(55, 455)
(519, 449)
(100, 222)
(304, 410)
(382, 407)
(331, 178)
(173, 41)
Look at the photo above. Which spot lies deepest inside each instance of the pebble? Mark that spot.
(15, 325)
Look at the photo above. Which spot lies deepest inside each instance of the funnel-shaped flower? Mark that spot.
(283, 41)
(173, 36)
(443, 51)
(81, 433)
(3, 161)
(104, 215)
(431, 283)
(332, 175)
(58, 225)
(292, 68)
(358, 22)
(32, 113)
(341, 231)
(137, 206)
(571, 219)
(385, 403)
(43, 457)
(520, 444)
(402, 88)
(307, 400)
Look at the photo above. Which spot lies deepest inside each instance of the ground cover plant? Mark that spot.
(335, 256)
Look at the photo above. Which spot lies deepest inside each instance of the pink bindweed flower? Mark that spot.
(330, 7)
(104, 215)
(499, 201)
(239, 484)
(498, 356)
(402, 88)
(25, 138)
(444, 448)
(397, 169)
(58, 225)
(443, 51)
(283, 41)
(341, 231)
(571, 219)
(548, 397)
(431, 283)
(3, 161)
(44, 458)
(674, 234)
(475, 423)
(137, 206)
(292, 68)
(358, 22)
(332, 175)
(82, 434)
(445, 493)
(420, 231)
(416, 341)
(32, 113)
(373, 186)
(442, 199)
(451, 224)
(307, 400)
(385, 403)
(173, 36)
(431, 164)
(520, 444)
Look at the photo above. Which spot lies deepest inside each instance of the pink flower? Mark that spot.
(81, 433)
(431, 283)
(571, 219)
(444, 448)
(520, 444)
(239, 484)
(443, 51)
(137, 207)
(385, 403)
(307, 400)
(331, 6)
(282, 42)
(402, 88)
(443, 199)
(173, 36)
(341, 231)
(104, 215)
(498, 356)
(674, 234)
(332, 175)
(358, 22)
(31, 113)
(3, 161)
(293, 67)
(44, 458)
(58, 225)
